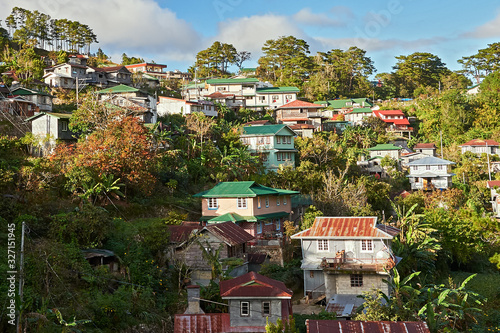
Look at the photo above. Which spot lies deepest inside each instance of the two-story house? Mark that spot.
(65, 75)
(299, 112)
(357, 115)
(256, 208)
(387, 149)
(430, 173)
(273, 143)
(155, 70)
(42, 99)
(428, 149)
(346, 256)
(171, 105)
(135, 101)
(478, 146)
(396, 121)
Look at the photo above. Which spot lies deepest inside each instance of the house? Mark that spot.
(135, 101)
(357, 115)
(387, 149)
(18, 106)
(344, 257)
(179, 235)
(248, 71)
(227, 238)
(479, 146)
(299, 112)
(65, 75)
(430, 173)
(273, 97)
(259, 209)
(494, 186)
(42, 100)
(410, 157)
(273, 143)
(171, 105)
(155, 70)
(52, 126)
(428, 149)
(396, 121)
(116, 75)
(253, 299)
(102, 257)
(473, 90)
(354, 326)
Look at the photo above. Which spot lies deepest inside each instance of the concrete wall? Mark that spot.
(255, 317)
(310, 249)
(395, 154)
(230, 205)
(341, 284)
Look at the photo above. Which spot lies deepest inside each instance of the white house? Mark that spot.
(478, 146)
(430, 173)
(171, 105)
(494, 186)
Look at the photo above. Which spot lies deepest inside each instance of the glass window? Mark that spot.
(277, 201)
(258, 202)
(212, 203)
(267, 201)
(322, 245)
(278, 139)
(266, 308)
(64, 126)
(366, 245)
(356, 280)
(242, 203)
(427, 167)
(289, 139)
(284, 200)
(245, 309)
(278, 224)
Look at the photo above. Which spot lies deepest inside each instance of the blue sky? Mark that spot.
(172, 32)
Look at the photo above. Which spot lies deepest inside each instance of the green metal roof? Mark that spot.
(321, 102)
(270, 90)
(264, 129)
(232, 81)
(361, 110)
(241, 190)
(228, 217)
(339, 103)
(385, 146)
(52, 114)
(28, 92)
(118, 89)
(362, 100)
(271, 215)
(150, 77)
(249, 69)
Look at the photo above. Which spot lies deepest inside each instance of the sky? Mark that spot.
(172, 32)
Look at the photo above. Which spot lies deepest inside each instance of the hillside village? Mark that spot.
(277, 198)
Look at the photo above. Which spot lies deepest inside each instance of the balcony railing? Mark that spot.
(357, 264)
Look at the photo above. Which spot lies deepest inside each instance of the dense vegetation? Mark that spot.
(122, 184)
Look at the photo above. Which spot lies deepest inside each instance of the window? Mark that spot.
(284, 200)
(244, 309)
(278, 139)
(277, 201)
(278, 156)
(267, 201)
(440, 167)
(268, 139)
(221, 88)
(258, 202)
(259, 227)
(415, 168)
(64, 126)
(322, 245)
(278, 224)
(427, 167)
(416, 179)
(289, 139)
(242, 203)
(266, 308)
(260, 140)
(356, 280)
(212, 203)
(262, 98)
(311, 274)
(366, 245)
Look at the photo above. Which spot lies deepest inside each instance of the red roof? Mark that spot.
(257, 122)
(209, 323)
(297, 104)
(229, 233)
(345, 227)
(390, 112)
(301, 126)
(254, 285)
(493, 183)
(145, 64)
(425, 146)
(403, 121)
(353, 326)
(181, 233)
(295, 119)
(217, 95)
(479, 142)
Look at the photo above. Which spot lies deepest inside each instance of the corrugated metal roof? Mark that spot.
(263, 129)
(386, 146)
(353, 326)
(343, 227)
(118, 89)
(298, 104)
(424, 146)
(201, 323)
(431, 160)
(241, 190)
(270, 90)
(181, 233)
(229, 232)
(493, 183)
(253, 285)
(480, 142)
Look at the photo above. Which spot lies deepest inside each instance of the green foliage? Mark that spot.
(215, 60)
(290, 273)
(309, 216)
(212, 293)
(131, 60)
(287, 326)
(300, 319)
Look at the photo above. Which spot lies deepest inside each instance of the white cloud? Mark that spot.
(135, 27)
(307, 17)
(376, 44)
(250, 33)
(487, 30)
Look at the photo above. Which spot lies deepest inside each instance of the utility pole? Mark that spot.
(441, 135)
(21, 278)
(488, 156)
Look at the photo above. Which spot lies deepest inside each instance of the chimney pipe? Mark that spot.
(193, 295)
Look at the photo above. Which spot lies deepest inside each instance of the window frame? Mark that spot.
(246, 312)
(64, 126)
(322, 245)
(264, 303)
(277, 201)
(267, 201)
(242, 203)
(356, 280)
(367, 244)
(212, 203)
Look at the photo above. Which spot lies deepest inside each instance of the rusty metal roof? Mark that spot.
(254, 285)
(201, 323)
(229, 232)
(353, 326)
(181, 233)
(344, 227)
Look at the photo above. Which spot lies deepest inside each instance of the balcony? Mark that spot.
(343, 263)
